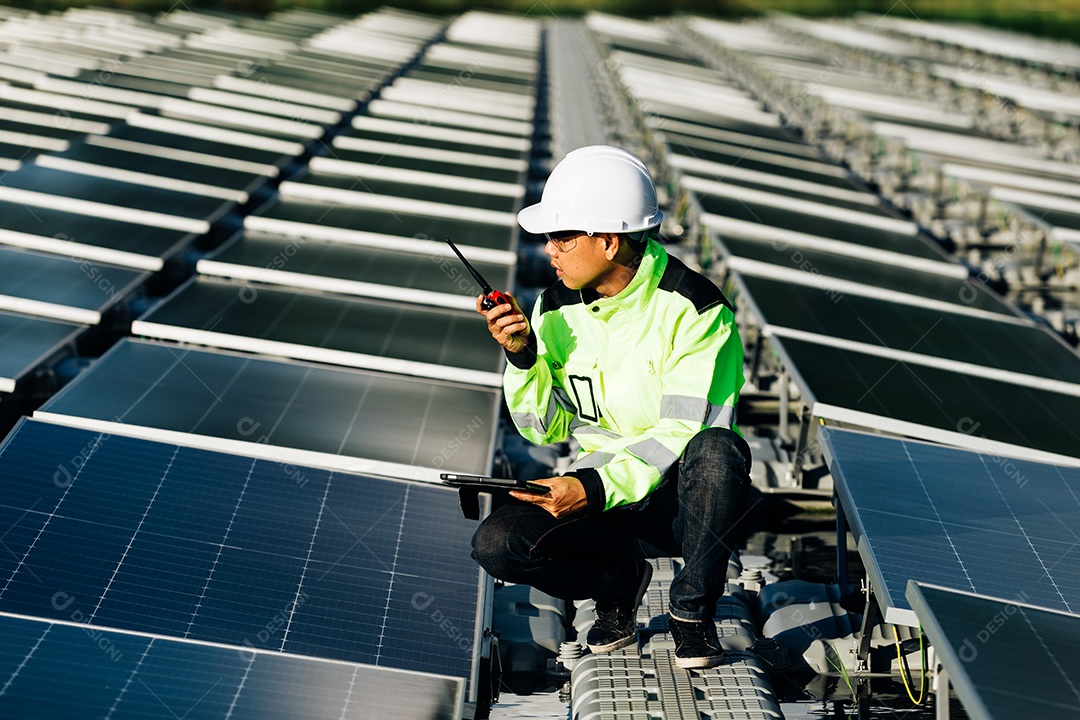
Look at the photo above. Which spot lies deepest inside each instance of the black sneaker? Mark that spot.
(616, 620)
(696, 644)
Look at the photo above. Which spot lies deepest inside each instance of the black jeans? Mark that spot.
(693, 514)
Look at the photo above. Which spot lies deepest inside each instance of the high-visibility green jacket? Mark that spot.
(633, 377)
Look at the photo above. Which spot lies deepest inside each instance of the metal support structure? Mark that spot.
(841, 544)
(866, 630)
(941, 701)
(805, 422)
(785, 405)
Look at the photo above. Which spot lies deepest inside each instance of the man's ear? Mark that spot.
(612, 243)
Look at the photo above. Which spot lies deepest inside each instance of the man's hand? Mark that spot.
(567, 495)
(507, 324)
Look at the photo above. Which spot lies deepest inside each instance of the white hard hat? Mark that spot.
(595, 189)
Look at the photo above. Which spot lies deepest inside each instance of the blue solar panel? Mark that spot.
(194, 544)
(54, 671)
(1006, 659)
(969, 521)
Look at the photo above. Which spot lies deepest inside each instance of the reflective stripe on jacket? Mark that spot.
(633, 377)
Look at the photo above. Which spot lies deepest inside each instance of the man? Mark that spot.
(638, 358)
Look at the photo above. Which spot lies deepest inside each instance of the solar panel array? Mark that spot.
(876, 326)
(970, 521)
(188, 543)
(205, 479)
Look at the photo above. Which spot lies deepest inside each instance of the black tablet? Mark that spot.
(480, 482)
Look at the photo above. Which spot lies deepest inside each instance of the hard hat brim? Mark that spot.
(537, 219)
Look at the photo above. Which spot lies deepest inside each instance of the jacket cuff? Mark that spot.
(525, 359)
(595, 494)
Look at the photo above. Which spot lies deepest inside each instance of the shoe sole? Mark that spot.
(629, 639)
(617, 645)
(699, 663)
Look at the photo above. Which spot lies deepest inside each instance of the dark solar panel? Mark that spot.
(435, 143)
(1056, 218)
(720, 175)
(749, 159)
(27, 342)
(506, 78)
(1019, 348)
(937, 399)
(848, 231)
(56, 280)
(47, 226)
(393, 268)
(1005, 660)
(261, 554)
(147, 136)
(462, 197)
(55, 671)
(75, 113)
(285, 404)
(396, 222)
(960, 519)
(43, 129)
(138, 83)
(887, 277)
(173, 169)
(114, 192)
(427, 164)
(390, 329)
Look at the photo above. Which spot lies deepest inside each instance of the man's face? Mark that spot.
(579, 259)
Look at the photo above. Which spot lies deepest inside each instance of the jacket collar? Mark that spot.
(635, 296)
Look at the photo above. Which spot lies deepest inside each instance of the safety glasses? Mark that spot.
(564, 241)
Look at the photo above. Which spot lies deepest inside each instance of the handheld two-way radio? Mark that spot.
(492, 297)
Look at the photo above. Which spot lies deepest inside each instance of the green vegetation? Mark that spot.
(1052, 18)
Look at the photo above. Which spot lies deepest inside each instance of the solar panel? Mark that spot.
(116, 242)
(60, 190)
(460, 192)
(1005, 659)
(28, 342)
(316, 219)
(356, 270)
(55, 287)
(978, 522)
(784, 218)
(959, 408)
(412, 157)
(1021, 348)
(714, 177)
(56, 670)
(387, 335)
(153, 162)
(825, 265)
(331, 417)
(204, 146)
(388, 130)
(260, 554)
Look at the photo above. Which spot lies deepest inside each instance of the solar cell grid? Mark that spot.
(399, 222)
(187, 543)
(932, 403)
(59, 670)
(27, 342)
(72, 291)
(1005, 659)
(64, 185)
(350, 418)
(982, 523)
(441, 338)
(1026, 349)
(875, 274)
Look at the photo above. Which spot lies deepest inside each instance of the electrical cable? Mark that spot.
(905, 671)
